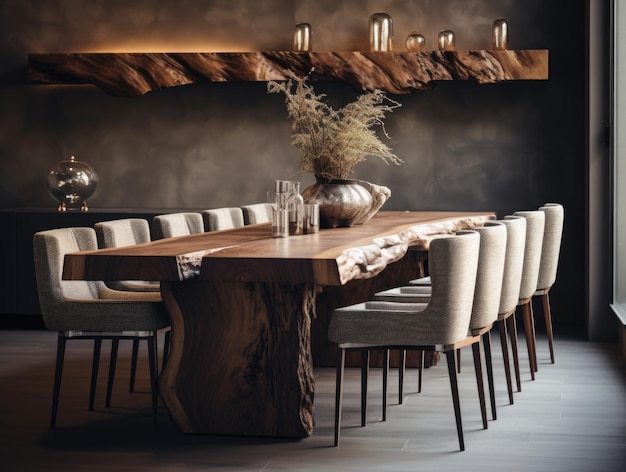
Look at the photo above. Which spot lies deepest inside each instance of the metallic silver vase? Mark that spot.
(71, 183)
(345, 202)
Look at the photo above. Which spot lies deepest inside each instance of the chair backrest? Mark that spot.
(123, 232)
(535, 222)
(453, 265)
(514, 262)
(257, 213)
(552, 235)
(177, 224)
(222, 218)
(491, 256)
(49, 249)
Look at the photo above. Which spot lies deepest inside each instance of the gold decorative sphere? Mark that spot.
(415, 42)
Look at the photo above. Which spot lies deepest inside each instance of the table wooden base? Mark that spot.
(241, 358)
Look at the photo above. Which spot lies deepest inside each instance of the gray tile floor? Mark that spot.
(571, 418)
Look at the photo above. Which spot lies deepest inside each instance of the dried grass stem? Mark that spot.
(332, 142)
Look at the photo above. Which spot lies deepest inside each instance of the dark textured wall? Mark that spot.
(466, 146)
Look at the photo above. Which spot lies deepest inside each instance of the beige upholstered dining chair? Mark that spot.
(90, 310)
(177, 224)
(217, 219)
(550, 251)
(535, 223)
(441, 325)
(257, 213)
(127, 232)
(511, 280)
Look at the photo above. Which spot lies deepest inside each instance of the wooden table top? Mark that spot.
(333, 256)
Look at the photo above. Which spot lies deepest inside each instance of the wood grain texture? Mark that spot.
(250, 254)
(135, 74)
(242, 364)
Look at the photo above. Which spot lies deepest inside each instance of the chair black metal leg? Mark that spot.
(480, 383)
(385, 382)
(512, 325)
(505, 358)
(94, 371)
(365, 364)
(489, 365)
(547, 313)
(166, 347)
(58, 371)
(133, 365)
(450, 356)
(152, 351)
(528, 331)
(112, 364)
(156, 354)
(420, 373)
(401, 369)
(533, 334)
(341, 361)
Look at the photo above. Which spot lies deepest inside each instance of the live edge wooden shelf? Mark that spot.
(135, 74)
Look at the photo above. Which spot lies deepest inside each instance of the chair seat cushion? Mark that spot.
(111, 315)
(385, 324)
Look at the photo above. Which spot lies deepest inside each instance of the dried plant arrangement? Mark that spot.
(332, 142)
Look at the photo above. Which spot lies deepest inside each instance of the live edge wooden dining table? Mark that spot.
(242, 305)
